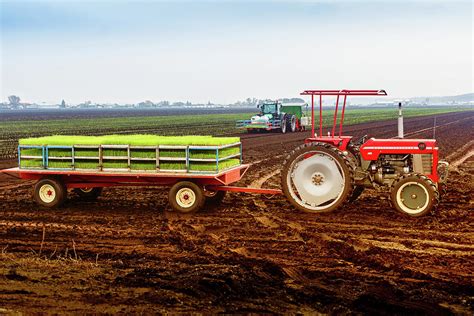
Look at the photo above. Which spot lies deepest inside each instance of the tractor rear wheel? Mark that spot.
(186, 197)
(414, 195)
(88, 193)
(292, 124)
(317, 178)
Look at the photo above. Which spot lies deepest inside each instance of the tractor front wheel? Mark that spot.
(186, 197)
(283, 126)
(317, 178)
(414, 195)
(292, 124)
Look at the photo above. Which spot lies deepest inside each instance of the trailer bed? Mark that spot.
(87, 178)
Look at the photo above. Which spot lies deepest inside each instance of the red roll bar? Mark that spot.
(336, 93)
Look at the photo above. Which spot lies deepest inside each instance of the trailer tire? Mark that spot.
(50, 192)
(186, 197)
(88, 193)
(214, 197)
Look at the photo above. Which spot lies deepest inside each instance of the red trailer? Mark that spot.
(188, 193)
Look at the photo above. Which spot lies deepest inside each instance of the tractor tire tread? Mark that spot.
(346, 161)
(436, 198)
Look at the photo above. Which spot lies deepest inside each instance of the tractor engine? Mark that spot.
(388, 168)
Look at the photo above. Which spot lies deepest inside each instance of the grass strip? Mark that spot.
(211, 154)
(31, 152)
(86, 152)
(210, 166)
(59, 152)
(115, 164)
(31, 163)
(108, 152)
(172, 165)
(173, 153)
(60, 164)
(143, 165)
(86, 164)
(143, 153)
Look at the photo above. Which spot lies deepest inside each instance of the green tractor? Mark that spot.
(277, 116)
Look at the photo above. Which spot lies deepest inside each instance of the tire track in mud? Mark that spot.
(435, 127)
(76, 228)
(259, 182)
(461, 159)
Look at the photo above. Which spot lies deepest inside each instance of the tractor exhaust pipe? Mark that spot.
(400, 120)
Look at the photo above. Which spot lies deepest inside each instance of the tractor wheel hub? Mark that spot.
(318, 179)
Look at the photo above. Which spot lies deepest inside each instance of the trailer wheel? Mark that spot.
(50, 192)
(292, 124)
(88, 193)
(186, 197)
(414, 195)
(214, 197)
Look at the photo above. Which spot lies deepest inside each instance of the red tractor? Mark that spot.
(327, 172)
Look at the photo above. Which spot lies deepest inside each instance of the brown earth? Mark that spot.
(129, 253)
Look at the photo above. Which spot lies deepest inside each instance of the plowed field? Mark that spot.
(127, 252)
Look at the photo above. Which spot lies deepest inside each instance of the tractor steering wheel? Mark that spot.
(361, 140)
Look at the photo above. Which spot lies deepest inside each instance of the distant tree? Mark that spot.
(146, 104)
(14, 100)
(63, 104)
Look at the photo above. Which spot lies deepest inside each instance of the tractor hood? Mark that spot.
(260, 119)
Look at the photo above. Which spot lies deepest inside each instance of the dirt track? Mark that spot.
(127, 252)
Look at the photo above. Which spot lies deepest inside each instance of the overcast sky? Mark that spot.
(223, 51)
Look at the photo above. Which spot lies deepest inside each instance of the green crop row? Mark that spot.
(215, 124)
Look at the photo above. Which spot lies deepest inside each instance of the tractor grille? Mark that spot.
(422, 163)
(427, 163)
